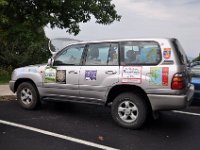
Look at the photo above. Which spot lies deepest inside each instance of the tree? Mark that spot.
(61, 13)
(22, 46)
(22, 22)
(197, 58)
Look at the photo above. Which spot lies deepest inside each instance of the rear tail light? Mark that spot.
(178, 81)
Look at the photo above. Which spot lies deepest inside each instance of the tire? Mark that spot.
(27, 96)
(129, 110)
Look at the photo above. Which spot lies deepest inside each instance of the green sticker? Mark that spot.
(50, 75)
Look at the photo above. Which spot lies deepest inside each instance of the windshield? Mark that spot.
(58, 44)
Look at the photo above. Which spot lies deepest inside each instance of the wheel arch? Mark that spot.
(118, 89)
(35, 99)
(22, 80)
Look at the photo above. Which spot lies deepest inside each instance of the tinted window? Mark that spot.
(69, 56)
(195, 70)
(102, 54)
(140, 53)
(180, 52)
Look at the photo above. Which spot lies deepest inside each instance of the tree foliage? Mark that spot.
(197, 58)
(22, 46)
(22, 37)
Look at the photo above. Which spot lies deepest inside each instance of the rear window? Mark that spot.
(195, 71)
(180, 52)
(140, 53)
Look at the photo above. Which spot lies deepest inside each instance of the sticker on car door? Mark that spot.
(61, 76)
(90, 75)
(132, 74)
(50, 75)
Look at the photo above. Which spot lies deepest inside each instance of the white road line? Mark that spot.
(64, 137)
(184, 112)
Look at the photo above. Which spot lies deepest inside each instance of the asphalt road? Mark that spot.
(93, 123)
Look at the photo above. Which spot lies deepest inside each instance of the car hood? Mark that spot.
(32, 68)
(195, 80)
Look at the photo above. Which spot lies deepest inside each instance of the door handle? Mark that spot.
(111, 72)
(72, 71)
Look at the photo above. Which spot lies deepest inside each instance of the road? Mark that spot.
(93, 124)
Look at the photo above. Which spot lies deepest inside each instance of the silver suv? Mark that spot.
(136, 77)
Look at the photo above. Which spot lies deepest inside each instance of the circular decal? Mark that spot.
(61, 75)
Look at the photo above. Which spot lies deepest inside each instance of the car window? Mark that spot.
(70, 56)
(180, 52)
(140, 53)
(195, 70)
(102, 54)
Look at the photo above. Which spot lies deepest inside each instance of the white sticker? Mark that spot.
(132, 74)
(50, 75)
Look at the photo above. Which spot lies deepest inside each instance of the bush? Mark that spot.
(5, 74)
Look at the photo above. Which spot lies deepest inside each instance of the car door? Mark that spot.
(61, 79)
(100, 70)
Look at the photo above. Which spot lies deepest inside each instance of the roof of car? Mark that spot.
(122, 40)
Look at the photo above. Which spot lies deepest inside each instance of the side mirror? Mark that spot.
(52, 48)
(50, 62)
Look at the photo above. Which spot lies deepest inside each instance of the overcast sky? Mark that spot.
(147, 18)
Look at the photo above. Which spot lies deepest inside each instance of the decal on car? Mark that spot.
(132, 74)
(165, 76)
(159, 76)
(50, 75)
(61, 76)
(90, 74)
(167, 53)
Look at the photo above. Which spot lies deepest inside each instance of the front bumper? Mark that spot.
(12, 86)
(170, 102)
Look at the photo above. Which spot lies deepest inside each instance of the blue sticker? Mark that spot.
(167, 53)
(90, 75)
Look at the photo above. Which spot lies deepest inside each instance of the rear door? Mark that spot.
(140, 66)
(100, 70)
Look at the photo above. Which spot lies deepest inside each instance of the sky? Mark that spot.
(146, 19)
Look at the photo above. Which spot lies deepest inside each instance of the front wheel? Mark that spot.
(27, 96)
(129, 110)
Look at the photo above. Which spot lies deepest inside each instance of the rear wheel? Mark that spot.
(27, 96)
(129, 110)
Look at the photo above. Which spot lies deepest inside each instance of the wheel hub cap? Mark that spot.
(128, 111)
(26, 96)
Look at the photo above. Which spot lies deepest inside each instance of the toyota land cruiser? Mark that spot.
(134, 76)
